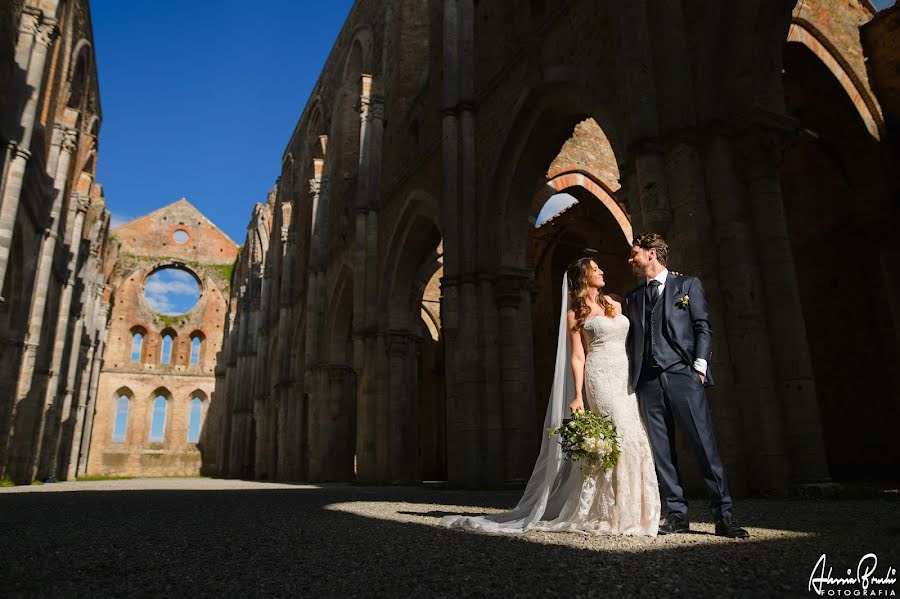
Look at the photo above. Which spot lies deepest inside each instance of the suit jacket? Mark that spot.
(686, 329)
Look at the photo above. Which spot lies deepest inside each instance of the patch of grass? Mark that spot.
(100, 477)
(6, 482)
(37, 483)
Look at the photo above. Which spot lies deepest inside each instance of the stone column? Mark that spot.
(87, 430)
(367, 265)
(78, 416)
(745, 321)
(51, 410)
(521, 441)
(92, 308)
(286, 459)
(636, 66)
(25, 424)
(41, 30)
(404, 442)
(461, 305)
(781, 293)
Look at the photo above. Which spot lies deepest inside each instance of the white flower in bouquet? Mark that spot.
(589, 437)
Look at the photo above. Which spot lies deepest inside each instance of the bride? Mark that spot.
(624, 500)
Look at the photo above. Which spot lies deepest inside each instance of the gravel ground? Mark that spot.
(203, 537)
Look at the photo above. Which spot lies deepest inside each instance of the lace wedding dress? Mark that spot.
(558, 497)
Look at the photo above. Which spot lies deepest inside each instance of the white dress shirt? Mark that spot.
(700, 364)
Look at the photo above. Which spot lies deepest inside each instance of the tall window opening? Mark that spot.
(121, 426)
(158, 422)
(137, 343)
(196, 415)
(166, 352)
(196, 346)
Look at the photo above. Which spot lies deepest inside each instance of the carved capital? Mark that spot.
(46, 31)
(17, 151)
(511, 286)
(761, 150)
(401, 343)
(68, 137)
(28, 25)
(315, 185)
(81, 201)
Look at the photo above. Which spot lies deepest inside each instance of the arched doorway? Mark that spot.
(585, 228)
(560, 130)
(841, 223)
(415, 408)
(332, 438)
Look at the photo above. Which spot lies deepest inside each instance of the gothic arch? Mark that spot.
(804, 32)
(545, 116)
(564, 181)
(414, 238)
(80, 74)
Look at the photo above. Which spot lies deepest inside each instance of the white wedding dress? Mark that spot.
(624, 500)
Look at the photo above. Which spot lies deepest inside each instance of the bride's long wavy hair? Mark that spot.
(578, 273)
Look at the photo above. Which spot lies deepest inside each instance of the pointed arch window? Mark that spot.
(196, 347)
(120, 429)
(158, 420)
(194, 421)
(137, 344)
(165, 355)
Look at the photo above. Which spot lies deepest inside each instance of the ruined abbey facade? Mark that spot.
(392, 313)
(394, 310)
(93, 379)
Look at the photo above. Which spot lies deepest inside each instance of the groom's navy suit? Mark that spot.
(665, 338)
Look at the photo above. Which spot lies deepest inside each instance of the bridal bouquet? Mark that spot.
(589, 437)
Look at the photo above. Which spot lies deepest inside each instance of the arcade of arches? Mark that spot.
(391, 316)
(394, 313)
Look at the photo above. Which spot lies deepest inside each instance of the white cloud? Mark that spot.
(171, 291)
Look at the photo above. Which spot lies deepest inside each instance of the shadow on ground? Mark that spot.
(357, 541)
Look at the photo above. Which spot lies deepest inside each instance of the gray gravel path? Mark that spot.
(202, 537)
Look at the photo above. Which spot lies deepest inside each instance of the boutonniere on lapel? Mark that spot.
(683, 302)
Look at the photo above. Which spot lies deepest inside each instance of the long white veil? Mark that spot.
(553, 478)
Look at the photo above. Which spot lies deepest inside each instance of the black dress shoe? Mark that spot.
(728, 527)
(674, 524)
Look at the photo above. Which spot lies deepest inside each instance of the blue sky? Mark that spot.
(200, 98)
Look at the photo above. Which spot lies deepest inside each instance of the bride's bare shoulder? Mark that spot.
(616, 301)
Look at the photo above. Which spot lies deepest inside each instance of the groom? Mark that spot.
(670, 343)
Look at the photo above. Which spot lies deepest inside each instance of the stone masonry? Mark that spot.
(139, 249)
(748, 134)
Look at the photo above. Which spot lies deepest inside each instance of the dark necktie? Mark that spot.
(654, 291)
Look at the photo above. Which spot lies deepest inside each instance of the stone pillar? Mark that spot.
(286, 458)
(51, 411)
(461, 304)
(42, 31)
(780, 292)
(87, 430)
(25, 424)
(367, 265)
(403, 450)
(521, 440)
(71, 467)
(74, 430)
(745, 321)
(636, 66)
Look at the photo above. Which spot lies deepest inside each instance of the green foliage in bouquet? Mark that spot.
(589, 437)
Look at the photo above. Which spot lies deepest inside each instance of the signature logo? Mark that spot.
(863, 582)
